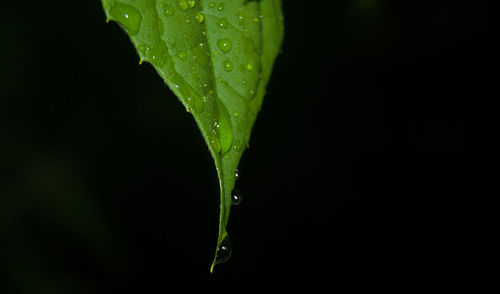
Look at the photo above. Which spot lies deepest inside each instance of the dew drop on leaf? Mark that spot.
(129, 17)
(220, 7)
(213, 140)
(191, 3)
(211, 4)
(222, 23)
(228, 65)
(168, 10)
(223, 251)
(240, 18)
(224, 127)
(225, 45)
(183, 4)
(199, 17)
(182, 55)
(236, 197)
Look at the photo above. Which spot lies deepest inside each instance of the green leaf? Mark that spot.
(217, 57)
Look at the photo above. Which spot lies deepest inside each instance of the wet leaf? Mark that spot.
(217, 57)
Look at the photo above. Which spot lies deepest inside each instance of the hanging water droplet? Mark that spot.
(222, 23)
(183, 4)
(128, 16)
(225, 45)
(228, 65)
(236, 197)
(237, 174)
(223, 251)
(199, 17)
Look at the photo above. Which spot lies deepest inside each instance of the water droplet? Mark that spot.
(237, 174)
(182, 55)
(128, 16)
(256, 19)
(191, 3)
(240, 18)
(244, 82)
(249, 67)
(225, 129)
(199, 17)
(223, 251)
(225, 45)
(228, 65)
(236, 197)
(213, 140)
(211, 4)
(222, 23)
(168, 10)
(220, 7)
(182, 4)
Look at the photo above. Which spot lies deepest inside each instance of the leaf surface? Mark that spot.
(217, 57)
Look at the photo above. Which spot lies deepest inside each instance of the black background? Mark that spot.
(370, 167)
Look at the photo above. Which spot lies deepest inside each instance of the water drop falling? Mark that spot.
(223, 251)
(225, 45)
(236, 197)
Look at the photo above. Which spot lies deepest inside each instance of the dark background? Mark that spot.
(370, 167)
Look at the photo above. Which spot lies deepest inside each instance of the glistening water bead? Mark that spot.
(236, 197)
(129, 17)
(223, 251)
(237, 175)
(225, 45)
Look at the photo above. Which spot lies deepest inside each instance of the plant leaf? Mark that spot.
(217, 57)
